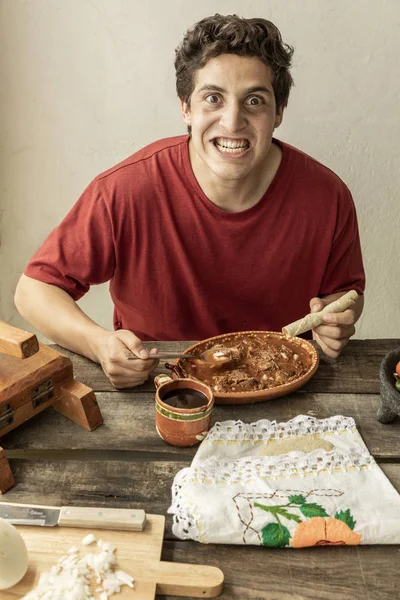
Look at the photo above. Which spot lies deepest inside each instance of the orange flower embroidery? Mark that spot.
(324, 532)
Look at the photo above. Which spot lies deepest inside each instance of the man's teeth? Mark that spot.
(232, 145)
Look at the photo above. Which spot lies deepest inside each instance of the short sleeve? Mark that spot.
(345, 268)
(80, 251)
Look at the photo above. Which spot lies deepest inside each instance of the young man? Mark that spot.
(226, 229)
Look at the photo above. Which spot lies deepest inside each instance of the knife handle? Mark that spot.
(124, 519)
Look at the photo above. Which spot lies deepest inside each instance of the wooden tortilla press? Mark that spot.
(33, 376)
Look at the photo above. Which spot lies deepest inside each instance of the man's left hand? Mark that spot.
(334, 334)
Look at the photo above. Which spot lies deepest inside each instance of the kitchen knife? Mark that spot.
(128, 519)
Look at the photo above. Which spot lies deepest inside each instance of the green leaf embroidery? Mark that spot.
(297, 499)
(313, 510)
(345, 516)
(266, 508)
(279, 510)
(290, 516)
(275, 535)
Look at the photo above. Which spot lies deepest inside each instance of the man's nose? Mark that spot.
(233, 117)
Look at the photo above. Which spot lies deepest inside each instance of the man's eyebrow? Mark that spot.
(258, 88)
(210, 87)
(251, 90)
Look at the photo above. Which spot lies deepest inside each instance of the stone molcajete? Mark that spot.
(183, 410)
(389, 407)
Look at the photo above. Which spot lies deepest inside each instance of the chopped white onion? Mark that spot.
(70, 579)
(89, 539)
(125, 578)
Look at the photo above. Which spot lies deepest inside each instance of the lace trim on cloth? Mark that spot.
(249, 470)
(298, 464)
(184, 524)
(300, 425)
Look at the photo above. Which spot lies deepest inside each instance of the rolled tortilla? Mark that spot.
(314, 319)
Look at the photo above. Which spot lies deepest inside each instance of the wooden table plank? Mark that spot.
(129, 423)
(356, 370)
(258, 573)
(101, 482)
(309, 574)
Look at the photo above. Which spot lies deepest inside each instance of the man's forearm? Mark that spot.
(57, 316)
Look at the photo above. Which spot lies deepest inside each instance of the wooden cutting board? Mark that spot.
(138, 553)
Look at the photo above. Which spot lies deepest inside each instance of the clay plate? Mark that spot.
(302, 347)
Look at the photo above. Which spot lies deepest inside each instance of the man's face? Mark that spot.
(232, 115)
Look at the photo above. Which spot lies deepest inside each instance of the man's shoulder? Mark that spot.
(160, 150)
(307, 167)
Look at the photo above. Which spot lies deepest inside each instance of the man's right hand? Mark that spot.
(111, 352)
(57, 316)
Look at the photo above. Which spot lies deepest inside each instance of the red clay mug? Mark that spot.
(183, 410)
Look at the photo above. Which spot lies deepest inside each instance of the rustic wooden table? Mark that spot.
(124, 464)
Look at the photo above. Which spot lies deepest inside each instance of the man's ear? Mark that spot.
(278, 117)
(186, 113)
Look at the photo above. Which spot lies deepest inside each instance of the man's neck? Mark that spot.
(237, 195)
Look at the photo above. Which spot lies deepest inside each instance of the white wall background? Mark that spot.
(83, 84)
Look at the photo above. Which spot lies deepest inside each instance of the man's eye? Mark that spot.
(254, 101)
(212, 99)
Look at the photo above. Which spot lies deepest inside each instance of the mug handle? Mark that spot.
(161, 379)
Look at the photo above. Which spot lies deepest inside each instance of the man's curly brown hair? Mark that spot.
(231, 34)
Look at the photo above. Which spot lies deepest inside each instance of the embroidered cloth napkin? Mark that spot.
(305, 482)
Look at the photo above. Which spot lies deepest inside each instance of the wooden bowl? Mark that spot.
(303, 348)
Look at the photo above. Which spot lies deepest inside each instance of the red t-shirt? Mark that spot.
(180, 268)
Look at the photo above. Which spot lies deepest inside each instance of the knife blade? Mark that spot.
(122, 519)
